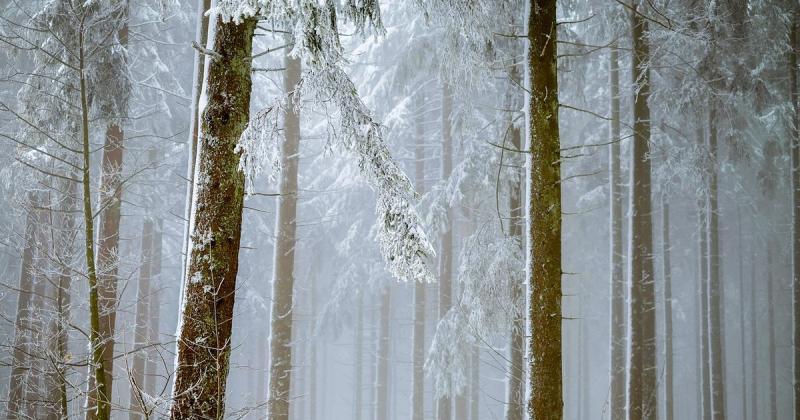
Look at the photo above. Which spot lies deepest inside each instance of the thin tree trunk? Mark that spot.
(704, 341)
(753, 339)
(152, 377)
(667, 272)
(773, 382)
(544, 260)
(20, 363)
(382, 361)
(198, 73)
(108, 241)
(312, 343)
(642, 387)
(515, 392)
(140, 337)
(742, 328)
(204, 341)
(358, 364)
(444, 404)
(418, 350)
(475, 383)
(618, 343)
(716, 335)
(281, 316)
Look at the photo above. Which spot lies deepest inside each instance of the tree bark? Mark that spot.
(382, 361)
(773, 381)
(753, 339)
(667, 272)
(742, 329)
(281, 316)
(705, 367)
(418, 350)
(358, 364)
(642, 386)
(544, 259)
(22, 329)
(795, 185)
(475, 383)
(716, 349)
(137, 407)
(152, 376)
(444, 404)
(206, 317)
(618, 342)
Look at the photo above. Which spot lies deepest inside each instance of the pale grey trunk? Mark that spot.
(716, 348)
(152, 379)
(667, 273)
(138, 406)
(475, 383)
(418, 346)
(444, 404)
(382, 361)
(281, 313)
(742, 329)
(773, 374)
(705, 367)
(358, 364)
(618, 335)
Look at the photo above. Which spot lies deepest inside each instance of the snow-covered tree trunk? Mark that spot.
(716, 335)
(667, 273)
(198, 74)
(136, 372)
(444, 404)
(515, 408)
(618, 341)
(108, 239)
(20, 360)
(642, 384)
(544, 217)
(152, 375)
(281, 309)
(418, 346)
(204, 341)
(382, 356)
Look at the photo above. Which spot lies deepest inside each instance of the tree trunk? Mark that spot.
(108, 242)
(705, 367)
(618, 343)
(382, 361)
(642, 386)
(198, 73)
(418, 351)
(753, 340)
(20, 361)
(358, 364)
(773, 382)
(544, 260)
(716, 348)
(667, 272)
(742, 329)
(312, 343)
(795, 185)
(152, 376)
(207, 312)
(281, 316)
(136, 372)
(475, 383)
(444, 404)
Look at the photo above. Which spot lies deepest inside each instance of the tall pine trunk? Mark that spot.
(382, 360)
(152, 376)
(795, 185)
(753, 339)
(618, 343)
(418, 350)
(108, 240)
(705, 367)
(716, 349)
(20, 362)
(444, 404)
(667, 273)
(475, 383)
(773, 374)
(204, 341)
(544, 259)
(742, 329)
(358, 365)
(642, 386)
(281, 310)
(138, 402)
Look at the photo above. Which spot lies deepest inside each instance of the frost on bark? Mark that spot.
(544, 259)
(20, 361)
(206, 316)
(281, 312)
(136, 371)
(642, 386)
(618, 343)
(444, 403)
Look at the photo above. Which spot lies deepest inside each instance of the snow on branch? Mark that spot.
(403, 243)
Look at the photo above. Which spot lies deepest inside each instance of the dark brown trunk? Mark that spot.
(204, 341)
(544, 259)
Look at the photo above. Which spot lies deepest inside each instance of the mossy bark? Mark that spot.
(545, 353)
(204, 342)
